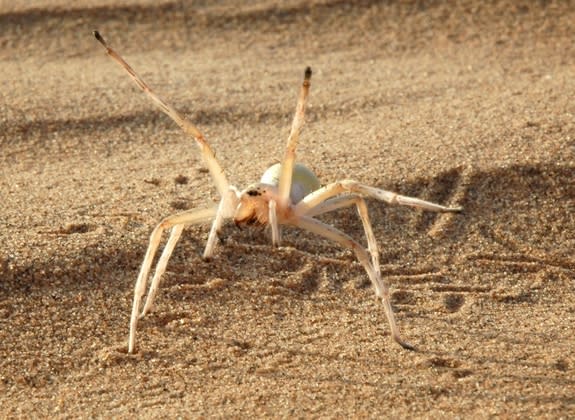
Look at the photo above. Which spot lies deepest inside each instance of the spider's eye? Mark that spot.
(254, 193)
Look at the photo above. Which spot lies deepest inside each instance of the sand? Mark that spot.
(460, 102)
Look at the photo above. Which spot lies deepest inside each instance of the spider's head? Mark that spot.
(253, 207)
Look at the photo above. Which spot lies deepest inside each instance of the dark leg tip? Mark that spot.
(404, 344)
(408, 346)
(100, 38)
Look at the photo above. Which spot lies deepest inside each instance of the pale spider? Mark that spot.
(288, 194)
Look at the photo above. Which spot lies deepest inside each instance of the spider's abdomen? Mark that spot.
(304, 180)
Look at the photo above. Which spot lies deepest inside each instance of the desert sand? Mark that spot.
(462, 103)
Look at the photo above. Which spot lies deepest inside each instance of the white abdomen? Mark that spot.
(304, 180)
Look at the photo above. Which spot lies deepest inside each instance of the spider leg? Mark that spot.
(226, 209)
(273, 222)
(335, 203)
(161, 265)
(288, 161)
(209, 156)
(381, 287)
(177, 222)
(348, 186)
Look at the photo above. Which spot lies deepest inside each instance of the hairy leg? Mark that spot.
(288, 161)
(381, 288)
(336, 203)
(348, 186)
(226, 210)
(273, 222)
(177, 221)
(214, 167)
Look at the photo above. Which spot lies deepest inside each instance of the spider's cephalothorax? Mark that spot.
(253, 206)
(288, 194)
(254, 201)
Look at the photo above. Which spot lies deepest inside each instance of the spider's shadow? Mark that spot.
(300, 264)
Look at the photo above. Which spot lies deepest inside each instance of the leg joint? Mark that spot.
(349, 185)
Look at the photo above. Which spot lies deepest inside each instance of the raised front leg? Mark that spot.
(288, 160)
(210, 160)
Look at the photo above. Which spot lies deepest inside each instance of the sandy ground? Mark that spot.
(461, 103)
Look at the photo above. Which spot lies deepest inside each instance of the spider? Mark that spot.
(288, 194)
